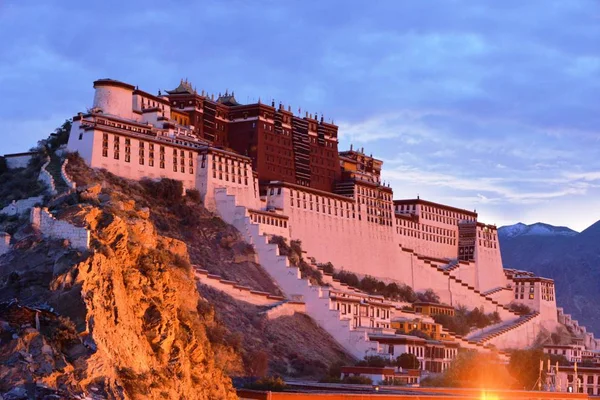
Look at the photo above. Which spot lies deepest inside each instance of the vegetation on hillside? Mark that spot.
(464, 320)
(293, 251)
(122, 320)
(520, 308)
(21, 183)
(392, 291)
(292, 346)
(212, 244)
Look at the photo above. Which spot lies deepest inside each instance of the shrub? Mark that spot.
(374, 361)
(464, 320)
(258, 364)
(407, 361)
(181, 262)
(270, 383)
(166, 190)
(428, 296)
(328, 268)
(520, 308)
(193, 195)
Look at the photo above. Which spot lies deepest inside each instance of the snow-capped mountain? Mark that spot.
(572, 259)
(537, 229)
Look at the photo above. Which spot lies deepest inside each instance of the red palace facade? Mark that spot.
(282, 146)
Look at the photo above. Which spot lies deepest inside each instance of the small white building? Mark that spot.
(572, 352)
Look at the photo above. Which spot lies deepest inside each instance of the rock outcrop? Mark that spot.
(121, 320)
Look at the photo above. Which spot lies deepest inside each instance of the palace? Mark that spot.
(268, 171)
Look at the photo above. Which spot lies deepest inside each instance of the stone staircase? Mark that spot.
(54, 168)
(459, 285)
(487, 334)
(473, 345)
(355, 341)
(451, 266)
(289, 279)
(492, 291)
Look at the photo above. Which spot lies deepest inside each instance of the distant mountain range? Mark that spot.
(572, 259)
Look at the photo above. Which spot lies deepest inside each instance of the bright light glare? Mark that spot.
(489, 396)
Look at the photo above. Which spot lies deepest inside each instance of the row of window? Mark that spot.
(102, 121)
(263, 219)
(179, 164)
(376, 194)
(371, 311)
(234, 169)
(425, 236)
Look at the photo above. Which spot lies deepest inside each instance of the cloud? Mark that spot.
(486, 102)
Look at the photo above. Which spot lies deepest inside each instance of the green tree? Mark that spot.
(474, 370)
(60, 135)
(407, 361)
(524, 366)
(429, 296)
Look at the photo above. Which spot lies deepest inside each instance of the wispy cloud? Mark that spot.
(484, 104)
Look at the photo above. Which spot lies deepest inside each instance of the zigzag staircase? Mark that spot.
(289, 279)
(457, 284)
(500, 329)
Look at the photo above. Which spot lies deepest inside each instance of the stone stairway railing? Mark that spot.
(65, 176)
(235, 290)
(590, 341)
(284, 308)
(457, 284)
(495, 331)
(492, 291)
(290, 281)
(472, 345)
(451, 266)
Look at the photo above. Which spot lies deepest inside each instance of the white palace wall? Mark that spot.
(79, 237)
(220, 169)
(331, 231)
(89, 144)
(114, 100)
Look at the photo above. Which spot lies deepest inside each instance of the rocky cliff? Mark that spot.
(121, 320)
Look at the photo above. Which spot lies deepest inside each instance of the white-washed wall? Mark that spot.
(284, 309)
(518, 338)
(490, 273)
(237, 291)
(114, 100)
(19, 207)
(65, 176)
(271, 223)
(20, 161)
(49, 226)
(221, 170)
(289, 280)
(90, 147)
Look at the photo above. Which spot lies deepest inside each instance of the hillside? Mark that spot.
(572, 259)
(125, 319)
(120, 320)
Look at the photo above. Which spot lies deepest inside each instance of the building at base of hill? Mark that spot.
(384, 375)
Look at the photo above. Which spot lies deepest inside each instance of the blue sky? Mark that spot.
(487, 105)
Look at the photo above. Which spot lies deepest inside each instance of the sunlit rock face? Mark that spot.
(118, 321)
